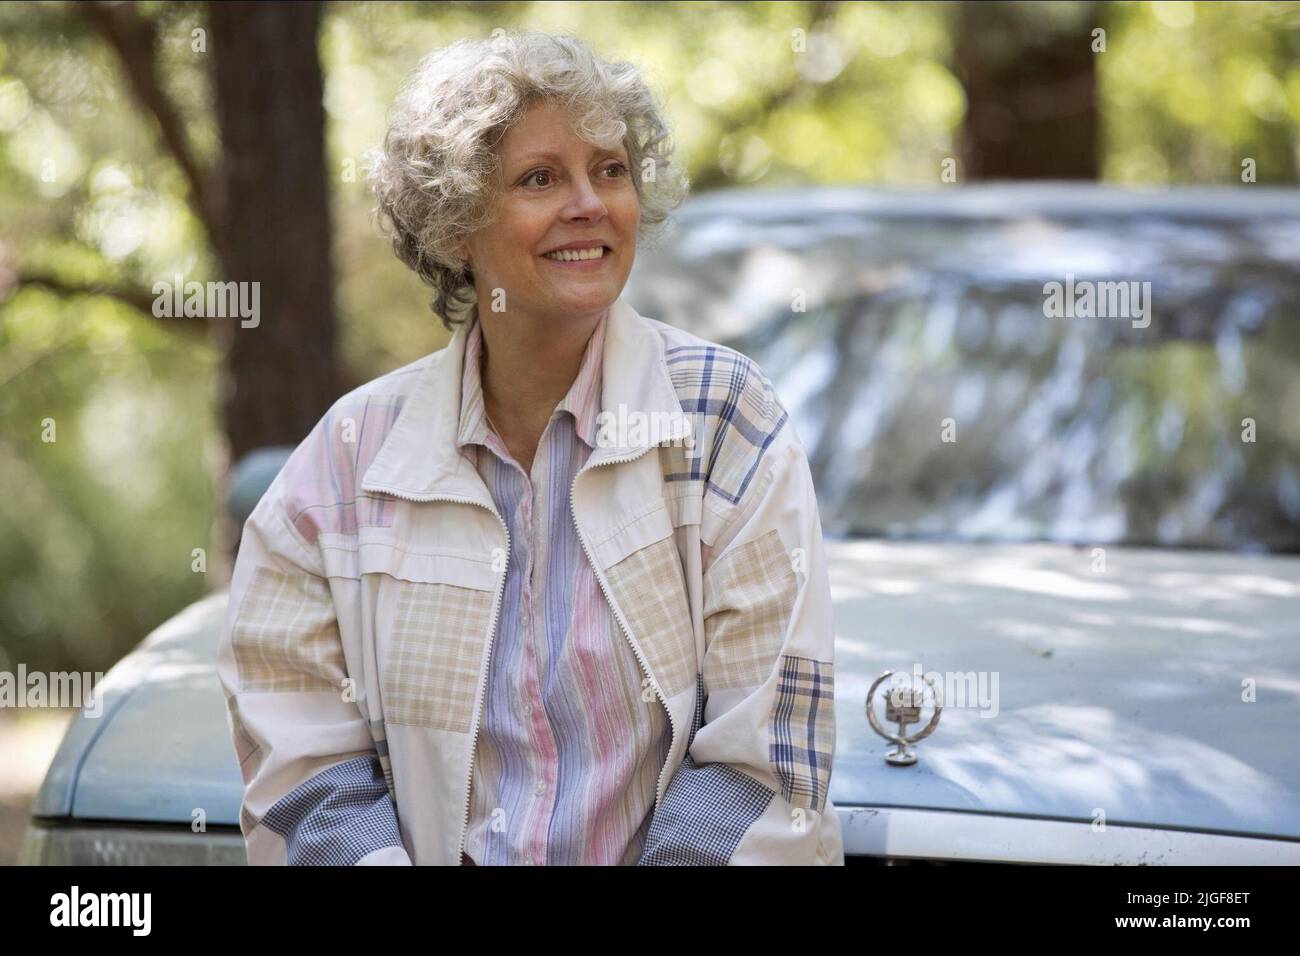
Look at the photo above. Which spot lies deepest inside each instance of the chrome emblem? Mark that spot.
(903, 706)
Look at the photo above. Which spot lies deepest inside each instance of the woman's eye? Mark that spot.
(543, 177)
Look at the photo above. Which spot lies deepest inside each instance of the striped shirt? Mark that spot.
(568, 754)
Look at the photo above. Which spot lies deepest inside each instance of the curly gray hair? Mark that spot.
(437, 172)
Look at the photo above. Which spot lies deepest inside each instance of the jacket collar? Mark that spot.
(420, 457)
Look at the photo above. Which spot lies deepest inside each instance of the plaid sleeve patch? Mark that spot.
(432, 669)
(748, 599)
(650, 589)
(285, 636)
(801, 736)
(735, 414)
(336, 817)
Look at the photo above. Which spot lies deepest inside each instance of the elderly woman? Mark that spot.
(556, 592)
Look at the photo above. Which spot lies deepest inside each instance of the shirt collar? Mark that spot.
(582, 401)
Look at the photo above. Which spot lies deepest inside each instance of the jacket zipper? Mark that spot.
(618, 615)
(496, 611)
(483, 676)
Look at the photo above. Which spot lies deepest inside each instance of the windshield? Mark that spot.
(1082, 376)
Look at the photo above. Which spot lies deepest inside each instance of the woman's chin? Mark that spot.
(586, 297)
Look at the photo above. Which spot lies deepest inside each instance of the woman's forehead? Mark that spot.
(547, 131)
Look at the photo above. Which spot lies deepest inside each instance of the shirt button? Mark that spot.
(528, 708)
(539, 788)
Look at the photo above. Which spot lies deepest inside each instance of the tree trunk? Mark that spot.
(281, 374)
(1030, 77)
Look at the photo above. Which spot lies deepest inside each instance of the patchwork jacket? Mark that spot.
(365, 596)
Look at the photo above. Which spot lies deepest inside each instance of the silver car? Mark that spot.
(1050, 524)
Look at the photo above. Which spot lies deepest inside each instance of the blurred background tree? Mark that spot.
(139, 141)
(1029, 72)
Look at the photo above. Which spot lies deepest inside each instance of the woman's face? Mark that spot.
(557, 190)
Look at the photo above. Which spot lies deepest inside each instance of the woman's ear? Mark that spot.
(462, 253)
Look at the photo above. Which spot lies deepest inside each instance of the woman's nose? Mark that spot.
(583, 202)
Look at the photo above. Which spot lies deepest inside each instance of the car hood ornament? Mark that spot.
(903, 706)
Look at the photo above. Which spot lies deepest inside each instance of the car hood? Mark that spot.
(1119, 692)
(1121, 678)
(161, 749)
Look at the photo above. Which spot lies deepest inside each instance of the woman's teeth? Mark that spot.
(576, 255)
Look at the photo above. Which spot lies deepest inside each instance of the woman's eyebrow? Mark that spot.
(556, 157)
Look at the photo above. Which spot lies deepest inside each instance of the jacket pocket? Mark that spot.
(432, 613)
(646, 581)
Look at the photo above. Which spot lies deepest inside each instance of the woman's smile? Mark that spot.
(582, 259)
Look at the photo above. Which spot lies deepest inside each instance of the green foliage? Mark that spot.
(1190, 90)
(97, 526)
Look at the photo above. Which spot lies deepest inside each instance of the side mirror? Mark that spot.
(250, 478)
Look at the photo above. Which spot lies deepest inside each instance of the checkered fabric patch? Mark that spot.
(706, 810)
(801, 736)
(336, 817)
(705, 813)
(432, 669)
(735, 414)
(285, 636)
(651, 591)
(749, 596)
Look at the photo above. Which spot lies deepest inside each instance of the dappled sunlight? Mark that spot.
(1050, 583)
(1036, 590)
(854, 568)
(1092, 619)
(1287, 685)
(1197, 625)
(1083, 757)
(1055, 634)
(862, 653)
(1225, 587)
(846, 584)
(1124, 690)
